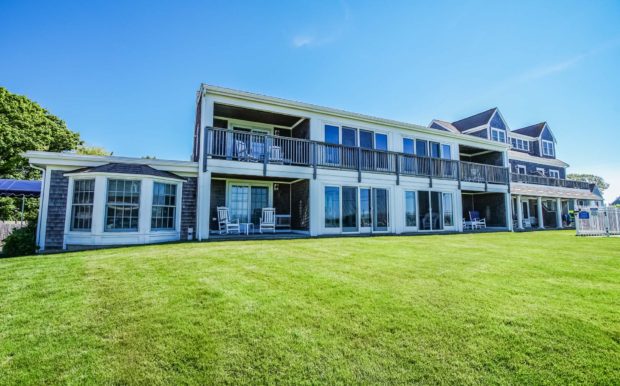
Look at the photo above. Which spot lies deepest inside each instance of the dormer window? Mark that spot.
(547, 148)
(520, 144)
(498, 135)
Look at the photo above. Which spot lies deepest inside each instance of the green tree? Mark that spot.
(590, 178)
(92, 150)
(24, 125)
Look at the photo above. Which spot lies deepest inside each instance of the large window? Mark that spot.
(498, 135)
(436, 210)
(554, 173)
(548, 148)
(163, 212)
(332, 207)
(122, 205)
(82, 205)
(410, 209)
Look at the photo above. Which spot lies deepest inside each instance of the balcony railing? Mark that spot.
(549, 181)
(269, 149)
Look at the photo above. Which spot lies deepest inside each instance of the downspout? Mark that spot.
(39, 219)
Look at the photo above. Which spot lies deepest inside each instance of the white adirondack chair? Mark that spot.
(268, 220)
(224, 223)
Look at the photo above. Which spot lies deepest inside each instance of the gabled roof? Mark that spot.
(443, 125)
(475, 120)
(616, 201)
(532, 131)
(122, 168)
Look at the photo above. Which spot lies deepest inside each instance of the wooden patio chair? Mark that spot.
(223, 221)
(268, 220)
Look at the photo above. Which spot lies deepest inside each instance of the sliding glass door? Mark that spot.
(365, 210)
(380, 210)
(354, 209)
(349, 209)
(429, 210)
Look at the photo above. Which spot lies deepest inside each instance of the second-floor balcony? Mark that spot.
(270, 149)
(548, 181)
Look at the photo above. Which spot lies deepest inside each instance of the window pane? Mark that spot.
(163, 211)
(123, 205)
(331, 134)
(349, 136)
(436, 211)
(82, 206)
(381, 142)
(408, 146)
(259, 200)
(435, 149)
(447, 210)
(332, 207)
(349, 208)
(365, 206)
(410, 214)
(239, 203)
(366, 141)
(380, 209)
(420, 148)
(446, 152)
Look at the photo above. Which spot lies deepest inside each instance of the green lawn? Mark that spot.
(486, 308)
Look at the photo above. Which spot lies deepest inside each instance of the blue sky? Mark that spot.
(125, 75)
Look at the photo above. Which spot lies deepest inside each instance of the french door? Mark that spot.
(246, 202)
(380, 210)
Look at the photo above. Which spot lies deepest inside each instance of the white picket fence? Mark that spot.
(598, 222)
(6, 227)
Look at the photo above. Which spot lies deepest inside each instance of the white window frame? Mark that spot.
(521, 167)
(73, 205)
(499, 132)
(551, 147)
(541, 170)
(415, 204)
(174, 207)
(554, 173)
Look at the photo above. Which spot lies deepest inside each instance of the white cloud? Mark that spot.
(303, 40)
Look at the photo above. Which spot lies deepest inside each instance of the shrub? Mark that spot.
(20, 242)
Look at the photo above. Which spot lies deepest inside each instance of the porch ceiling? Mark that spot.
(245, 114)
(551, 191)
(473, 151)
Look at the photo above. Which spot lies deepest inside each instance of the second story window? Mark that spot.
(547, 148)
(554, 173)
(498, 135)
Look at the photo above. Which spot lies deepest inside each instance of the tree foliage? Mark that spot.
(24, 125)
(590, 178)
(92, 150)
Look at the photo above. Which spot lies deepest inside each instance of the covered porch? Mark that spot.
(545, 207)
(247, 199)
(484, 210)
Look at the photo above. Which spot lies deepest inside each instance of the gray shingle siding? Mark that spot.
(531, 167)
(56, 210)
(481, 134)
(188, 207)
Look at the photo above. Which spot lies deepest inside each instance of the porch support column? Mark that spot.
(558, 212)
(508, 206)
(519, 213)
(541, 224)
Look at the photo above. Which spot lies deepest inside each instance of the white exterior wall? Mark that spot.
(333, 177)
